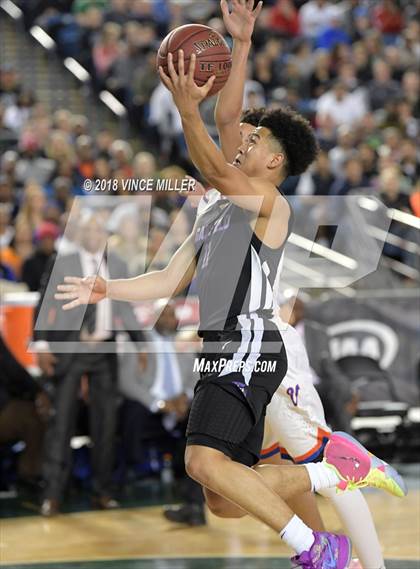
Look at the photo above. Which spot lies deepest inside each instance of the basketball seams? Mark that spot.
(166, 42)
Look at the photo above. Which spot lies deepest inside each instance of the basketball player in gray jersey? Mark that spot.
(227, 416)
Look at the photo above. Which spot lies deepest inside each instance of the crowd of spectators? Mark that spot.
(45, 161)
(349, 66)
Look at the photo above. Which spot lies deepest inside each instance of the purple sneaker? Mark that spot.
(329, 551)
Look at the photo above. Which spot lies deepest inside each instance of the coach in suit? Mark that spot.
(158, 404)
(75, 343)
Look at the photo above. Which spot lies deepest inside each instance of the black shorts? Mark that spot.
(228, 409)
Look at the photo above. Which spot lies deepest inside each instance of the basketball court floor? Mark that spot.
(140, 538)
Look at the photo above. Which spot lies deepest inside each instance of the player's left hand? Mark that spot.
(186, 93)
(240, 21)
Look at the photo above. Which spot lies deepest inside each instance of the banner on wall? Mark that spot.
(385, 327)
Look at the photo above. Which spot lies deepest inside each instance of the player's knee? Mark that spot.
(215, 503)
(196, 466)
(200, 464)
(222, 509)
(218, 510)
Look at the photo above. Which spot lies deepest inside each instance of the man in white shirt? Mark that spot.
(340, 106)
(316, 15)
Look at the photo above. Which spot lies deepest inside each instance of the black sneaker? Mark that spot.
(190, 514)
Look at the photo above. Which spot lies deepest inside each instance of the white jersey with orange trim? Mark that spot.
(295, 423)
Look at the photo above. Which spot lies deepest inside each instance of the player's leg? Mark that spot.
(221, 420)
(356, 518)
(221, 507)
(303, 505)
(244, 486)
(296, 419)
(279, 413)
(209, 462)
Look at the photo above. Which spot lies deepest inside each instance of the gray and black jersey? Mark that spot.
(237, 274)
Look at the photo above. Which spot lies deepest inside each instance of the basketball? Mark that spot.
(212, 51)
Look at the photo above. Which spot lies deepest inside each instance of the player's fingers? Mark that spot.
(164, 78)
(191, 69)
(66, 295)
(181, 65)
(172, 73)
(209, 84)
(66, 288)
(258, 9)
(250, 5)
(72, 304)
(224, 7)
(73, 280)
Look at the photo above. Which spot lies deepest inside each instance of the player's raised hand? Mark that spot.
(78, 291)
(241, 20)
(181, 84)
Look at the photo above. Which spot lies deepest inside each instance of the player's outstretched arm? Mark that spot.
(253, 194)
(239, 22)
(157, 284)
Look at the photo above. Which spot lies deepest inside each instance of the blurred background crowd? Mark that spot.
(351, 67)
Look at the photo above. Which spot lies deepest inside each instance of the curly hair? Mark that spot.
(295, 135)
(253, 116)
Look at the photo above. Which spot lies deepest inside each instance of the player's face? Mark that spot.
(246, 130)
(254, 152)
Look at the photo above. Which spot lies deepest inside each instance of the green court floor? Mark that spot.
(215, 563)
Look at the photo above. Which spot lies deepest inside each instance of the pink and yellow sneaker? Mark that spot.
(357, 467)
(329, 551)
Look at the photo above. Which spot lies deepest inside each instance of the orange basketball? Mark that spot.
(212, 51)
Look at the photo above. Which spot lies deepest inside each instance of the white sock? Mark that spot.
(354, 513)
(297, 535)
(321, 476)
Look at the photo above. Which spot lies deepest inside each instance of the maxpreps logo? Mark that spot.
(368, 338)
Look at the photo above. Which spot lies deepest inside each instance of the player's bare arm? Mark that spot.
(167, 282)
(253, 193)
(239, 22)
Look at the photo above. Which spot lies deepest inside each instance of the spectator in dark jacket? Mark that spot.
(34, 267)
(382, 88)
(353, 179)
(23, 407)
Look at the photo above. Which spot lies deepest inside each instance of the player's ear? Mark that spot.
(276, 160)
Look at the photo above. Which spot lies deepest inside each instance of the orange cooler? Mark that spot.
(16, 324)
